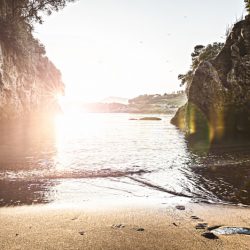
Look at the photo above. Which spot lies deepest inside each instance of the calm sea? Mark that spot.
(105, 158)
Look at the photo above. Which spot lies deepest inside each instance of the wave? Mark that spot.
(50, 175)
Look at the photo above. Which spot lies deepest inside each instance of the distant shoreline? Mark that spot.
(143, 104)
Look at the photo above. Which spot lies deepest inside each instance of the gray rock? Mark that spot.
(232, 230)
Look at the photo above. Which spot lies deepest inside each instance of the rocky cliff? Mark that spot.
(218, 106)
(28, 85)
(29, 82)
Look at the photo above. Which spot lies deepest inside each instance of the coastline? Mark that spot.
(132, 227)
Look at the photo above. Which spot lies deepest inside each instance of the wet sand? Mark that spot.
(164, 227)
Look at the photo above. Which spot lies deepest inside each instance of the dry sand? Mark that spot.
(43, 227)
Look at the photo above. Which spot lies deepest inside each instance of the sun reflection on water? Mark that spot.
(72, 130)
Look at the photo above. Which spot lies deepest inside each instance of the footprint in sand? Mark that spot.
(75, 217)
(180, 207)
(213, 227)
(117, 226)
(210, 236)
(194, 217)
(120, 226)
(139, 229)
(201, 226)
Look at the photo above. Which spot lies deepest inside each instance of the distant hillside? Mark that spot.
(167, 103)
(114, 99)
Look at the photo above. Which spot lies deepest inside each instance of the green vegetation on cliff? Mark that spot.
(17, 18)
(30, 11)
(247, 2)
(200, 54)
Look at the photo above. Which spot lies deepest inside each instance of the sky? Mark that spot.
(126, 48)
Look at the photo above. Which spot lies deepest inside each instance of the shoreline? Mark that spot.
(117, 227)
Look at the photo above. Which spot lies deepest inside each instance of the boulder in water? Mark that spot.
(218, 107)
(150, 119)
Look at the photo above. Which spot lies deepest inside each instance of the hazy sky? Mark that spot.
(129, 47)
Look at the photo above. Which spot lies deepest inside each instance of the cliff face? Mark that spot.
(218, 104)
(29, 84)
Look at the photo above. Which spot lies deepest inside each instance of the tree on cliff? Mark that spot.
(17, 18)
(30, 11)
(200, 54)
(247, 2)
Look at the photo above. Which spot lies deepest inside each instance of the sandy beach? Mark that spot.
(45, 227)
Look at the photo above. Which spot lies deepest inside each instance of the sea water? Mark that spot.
(107, 158)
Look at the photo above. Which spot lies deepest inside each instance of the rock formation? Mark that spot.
(27, 85)
(218, 106)
(29, 82)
